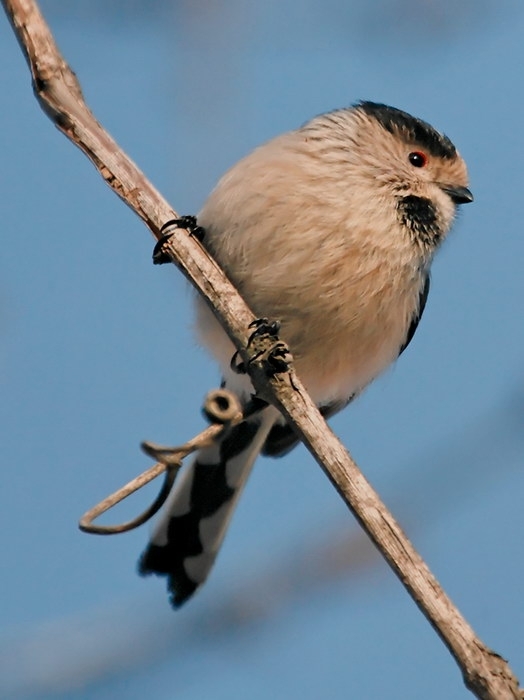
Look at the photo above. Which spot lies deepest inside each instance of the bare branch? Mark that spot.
(485, 673)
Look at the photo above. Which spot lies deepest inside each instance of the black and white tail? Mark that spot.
(194, 520)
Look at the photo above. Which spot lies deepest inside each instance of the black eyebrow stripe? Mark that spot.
(409, 128)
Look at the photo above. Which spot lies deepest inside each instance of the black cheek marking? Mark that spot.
(419, 216)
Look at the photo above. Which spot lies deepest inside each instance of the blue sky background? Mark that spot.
(96, 354)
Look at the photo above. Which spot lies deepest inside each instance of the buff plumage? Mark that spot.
(331, 230)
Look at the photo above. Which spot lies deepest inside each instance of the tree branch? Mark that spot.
(485, 673)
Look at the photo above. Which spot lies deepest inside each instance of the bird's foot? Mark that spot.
(265, 348)
(189, 223)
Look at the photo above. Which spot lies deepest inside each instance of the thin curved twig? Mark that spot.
(87, 520)
(221, 407)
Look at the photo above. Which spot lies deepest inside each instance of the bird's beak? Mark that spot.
(460, 195)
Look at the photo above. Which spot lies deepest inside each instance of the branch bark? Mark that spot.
(485, 673)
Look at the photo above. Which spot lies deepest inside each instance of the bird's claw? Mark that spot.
(266, 348)
(278, 358)
(263, 327)
(189, 223)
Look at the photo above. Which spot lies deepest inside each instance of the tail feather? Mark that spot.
(194, 520)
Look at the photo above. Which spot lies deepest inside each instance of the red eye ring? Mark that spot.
(418, 159)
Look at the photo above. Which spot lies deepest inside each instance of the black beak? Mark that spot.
(460, 195)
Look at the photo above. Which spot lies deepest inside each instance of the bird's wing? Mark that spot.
(423, 297)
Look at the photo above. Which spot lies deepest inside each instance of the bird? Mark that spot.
(330, 229)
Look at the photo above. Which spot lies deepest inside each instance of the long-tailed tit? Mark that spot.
(331, 230)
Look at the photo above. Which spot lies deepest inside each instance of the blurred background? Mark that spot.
(97, 353)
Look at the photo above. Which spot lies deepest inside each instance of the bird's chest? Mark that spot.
(349, 333)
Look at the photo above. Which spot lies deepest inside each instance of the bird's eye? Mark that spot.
(418, 159)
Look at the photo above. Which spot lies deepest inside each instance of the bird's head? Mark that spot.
(394, 167)
(411, 161)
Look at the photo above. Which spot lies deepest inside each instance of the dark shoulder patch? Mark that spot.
(423, 297)
(410, 128)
